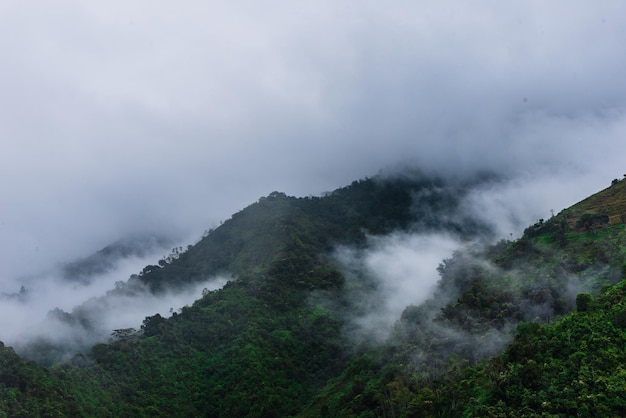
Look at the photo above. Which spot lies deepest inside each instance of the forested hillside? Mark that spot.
(437, 362)
(497, 338)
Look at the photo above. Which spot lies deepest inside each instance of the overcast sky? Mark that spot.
(120, 117)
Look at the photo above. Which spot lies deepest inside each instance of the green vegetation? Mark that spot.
(437, 363)
(534, 327)
(28, 390)
(574, 367)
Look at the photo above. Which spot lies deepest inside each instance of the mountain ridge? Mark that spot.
(262, 338)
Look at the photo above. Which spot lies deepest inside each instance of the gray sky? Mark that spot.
(120, 117)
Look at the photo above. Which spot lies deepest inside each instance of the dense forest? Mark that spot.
(530, 327)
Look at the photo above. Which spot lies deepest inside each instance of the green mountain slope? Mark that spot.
(260, 234)
(610, 202)
(574, 367)
(257, 347)
(28, 390)
(259, 339)
(486, 292)
(263, 346)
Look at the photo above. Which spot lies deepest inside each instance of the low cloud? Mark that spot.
(393, 272)
(51, 316)
(408, 286)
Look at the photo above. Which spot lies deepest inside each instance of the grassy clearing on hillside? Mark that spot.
(610, 201)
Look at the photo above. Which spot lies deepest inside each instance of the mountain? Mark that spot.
(275, 340)
(85, 269)
(435, 363)
(40, 330)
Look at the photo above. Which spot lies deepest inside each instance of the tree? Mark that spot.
(124, 334)
(151, 325)
(583, 302)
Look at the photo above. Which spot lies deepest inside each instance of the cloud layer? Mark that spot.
(123, 118)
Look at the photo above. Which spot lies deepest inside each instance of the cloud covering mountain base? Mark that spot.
(56, 316)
